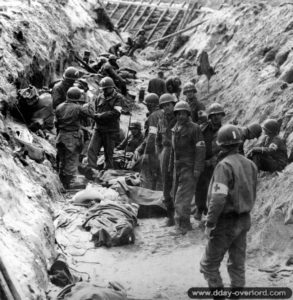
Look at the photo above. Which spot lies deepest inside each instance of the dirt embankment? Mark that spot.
(35, 45)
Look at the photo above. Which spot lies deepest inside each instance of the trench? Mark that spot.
(158, 265)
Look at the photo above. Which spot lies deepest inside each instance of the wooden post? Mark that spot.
(157, 24)
(144, 11)
(176, 33)
(133, 16)
(115, 9)
(124, 14)
(148, 17)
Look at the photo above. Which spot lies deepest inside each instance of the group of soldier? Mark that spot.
(185, 151)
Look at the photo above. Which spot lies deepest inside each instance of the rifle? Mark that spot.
(84, 64)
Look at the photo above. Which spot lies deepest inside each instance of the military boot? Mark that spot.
(170, 219)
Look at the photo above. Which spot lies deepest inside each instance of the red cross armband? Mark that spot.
(219, 189)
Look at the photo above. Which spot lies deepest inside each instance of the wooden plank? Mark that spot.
(124, 14)
(158, 22)
(148, 17)
(115, 9)
(133, 16)
(140, 17)
(176, 33)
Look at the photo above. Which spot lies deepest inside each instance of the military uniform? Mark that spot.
(196, 108)
(212, 149)
(59, 92)
(270, 154)
(157, 86)
(69, 138)
(164, 148)
(150, 167)
(131, 142)
(108, 110)
(139, 43)
(189, 154)
(231, 196)
(173, 86)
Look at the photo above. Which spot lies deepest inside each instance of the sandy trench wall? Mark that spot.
(35, 46)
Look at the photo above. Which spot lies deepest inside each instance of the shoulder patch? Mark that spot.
(219, 188)
(200, 144)
(153, 130)
(273, 146)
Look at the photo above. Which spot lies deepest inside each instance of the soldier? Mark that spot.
(270, 154)
(115, 50)
(131, 142)
(164, 149)
(157, 85)
(109, 69)
(60, 89)
(197, 108)
(249, 132)
(188, 154)
(138, 43)
(150, 167)
(69, 139)
(231, 196)
(108, 108)
(209, 130)
(173, 86)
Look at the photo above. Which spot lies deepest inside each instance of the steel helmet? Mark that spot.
(135, 125)
(167, 98)
(107, 82)
(254, 130)
(71, 73)
(189, 87)
(152, 99)
(112, 57)
(215, 108)
(182, 105)
(74, 94)
(142, 31)
(271, 126)
(228, 135)
(82, 84)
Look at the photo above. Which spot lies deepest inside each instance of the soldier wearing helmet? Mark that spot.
(157, 85)
(188, 154)
(135, 138)
(231, 197)
(115, 50)
(60, 89)
(110, 69)
(150, 167)
(138, 43)
(250, 132)
(108, 107)
(209, 131)
(197, 108)
(270, 154)
(69, 115)
(164, 148)
(173, 86)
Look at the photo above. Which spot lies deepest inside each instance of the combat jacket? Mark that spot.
(157, 86)
(188, 146)
(108, 70)
(232, 188)
(276, 147)
(131, 142)
(152, 129)
(108, 112)
(209, 133)
(164, 135)
(196, 108)
(59, 92)
(140, 41)
(69, 115)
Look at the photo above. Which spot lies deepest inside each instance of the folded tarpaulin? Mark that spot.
(87, 291)
(112, 224)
